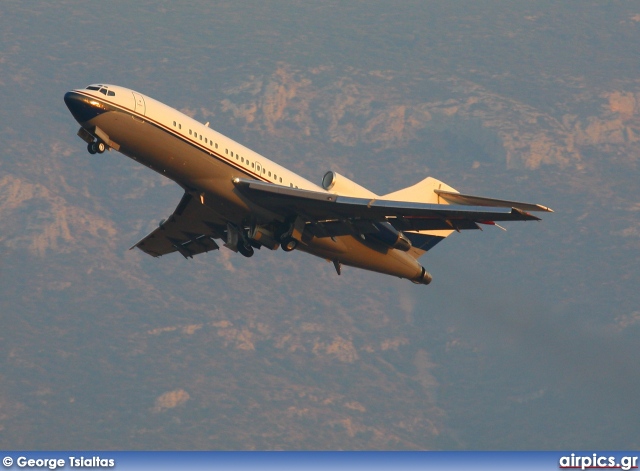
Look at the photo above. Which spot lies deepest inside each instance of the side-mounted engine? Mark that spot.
(388, 235)
(379, 232)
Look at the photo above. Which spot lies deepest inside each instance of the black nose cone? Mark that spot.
(83, 108)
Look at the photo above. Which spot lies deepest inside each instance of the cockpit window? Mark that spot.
(102, 89)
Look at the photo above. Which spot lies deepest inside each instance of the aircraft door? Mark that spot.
(139, 103)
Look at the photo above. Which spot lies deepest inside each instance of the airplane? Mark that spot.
(246, 201)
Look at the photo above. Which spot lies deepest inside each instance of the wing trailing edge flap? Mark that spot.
(330, 214)
(190, 230)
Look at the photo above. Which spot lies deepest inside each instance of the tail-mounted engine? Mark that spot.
(341, 185)
(423, 279)
(389, 236)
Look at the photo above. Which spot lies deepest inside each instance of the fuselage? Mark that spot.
(205, 162)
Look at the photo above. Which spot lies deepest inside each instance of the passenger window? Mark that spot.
(253, 165)
(190, 132)
(174, 124)
(269, 174)
(179, 126)
(205, 141)
(280, 179)
(216, 145)
(242, 160)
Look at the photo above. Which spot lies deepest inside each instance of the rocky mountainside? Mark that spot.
(524, 340)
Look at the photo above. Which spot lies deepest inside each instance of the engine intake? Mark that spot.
(336, 183)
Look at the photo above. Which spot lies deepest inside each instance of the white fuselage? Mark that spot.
(205, 162)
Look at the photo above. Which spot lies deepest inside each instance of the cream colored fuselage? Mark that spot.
(203, 161)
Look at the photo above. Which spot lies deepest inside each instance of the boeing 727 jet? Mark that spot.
(235, 195)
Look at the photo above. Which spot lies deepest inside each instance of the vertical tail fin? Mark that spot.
(423, 192)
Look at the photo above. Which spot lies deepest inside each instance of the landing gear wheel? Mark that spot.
(91, 147)
(289, 244)
(245, 250)
(100, 147)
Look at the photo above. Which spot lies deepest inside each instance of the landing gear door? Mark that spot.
(139, 103)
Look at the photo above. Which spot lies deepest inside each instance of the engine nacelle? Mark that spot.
(423, 279)
(389, 236)
(336, 183)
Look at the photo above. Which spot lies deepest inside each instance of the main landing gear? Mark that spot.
(246, 241)
(97, 147)
(245, 249)
(289, 244)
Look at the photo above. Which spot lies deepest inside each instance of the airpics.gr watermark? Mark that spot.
(594, 461)
(80, 462)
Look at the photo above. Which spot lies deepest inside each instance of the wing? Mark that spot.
(337, 214)
(457, 198)
(190, 230)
